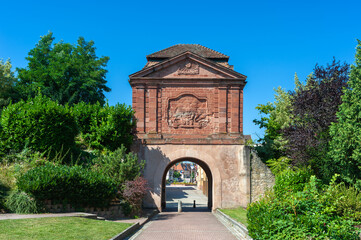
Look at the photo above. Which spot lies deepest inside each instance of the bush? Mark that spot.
(3, 193)
(74, 185)
(119, 165)
(21, 202)
(134, 192)
(310, 213)
(25, 156)
(105, 128)
(40, 124)
(291, 181)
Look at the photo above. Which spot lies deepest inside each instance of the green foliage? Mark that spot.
(8, 80)
(291, 181)
(21, 202)
(26, 156)
(105, 128)
(344, 156)
(74, 185)
(4, 189)
(176, 174)
(64, 72)
(279, 165)
(276, 116)
(309, 213)
(119, 165)
(39, 124)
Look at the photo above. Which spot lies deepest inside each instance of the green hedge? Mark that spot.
(74, 185)
(105, 128)
(40, 124)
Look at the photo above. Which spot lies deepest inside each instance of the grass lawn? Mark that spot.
(60, 228)
(238, 214)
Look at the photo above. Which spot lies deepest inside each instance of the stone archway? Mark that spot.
(203, 165)
(188, 102)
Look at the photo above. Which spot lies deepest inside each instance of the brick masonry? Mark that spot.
(188, 103)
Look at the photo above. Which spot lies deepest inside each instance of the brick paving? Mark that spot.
(186, 194)
(184, 226)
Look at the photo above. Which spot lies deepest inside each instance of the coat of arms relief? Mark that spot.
(188, 68)
(188, 111)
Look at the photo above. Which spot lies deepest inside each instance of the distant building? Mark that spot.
(202, 181)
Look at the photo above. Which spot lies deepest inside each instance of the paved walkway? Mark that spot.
(186, 194)
(184, 226)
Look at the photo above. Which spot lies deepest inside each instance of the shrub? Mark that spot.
(291, 181)
(74, 185)
(21, 202)
(342, 200)
(119, 165)
(25, 156)
(134, 192)
(40, 124)
(3, 193)
(278, 165)
(106, 127)
(309, 213)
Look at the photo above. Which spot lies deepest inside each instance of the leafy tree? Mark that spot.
(344, 157)
(276, 116)
(176, 174)
(8, 81)
(66, 73)
(314, 108)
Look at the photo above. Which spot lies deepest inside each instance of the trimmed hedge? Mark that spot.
(64, 184)
(40, 124)
(105, 128)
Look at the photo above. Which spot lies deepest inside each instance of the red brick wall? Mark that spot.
(224, 103)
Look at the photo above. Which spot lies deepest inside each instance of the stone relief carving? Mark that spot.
(188, 68)
(187, 111)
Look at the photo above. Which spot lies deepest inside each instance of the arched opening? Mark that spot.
(205, 168)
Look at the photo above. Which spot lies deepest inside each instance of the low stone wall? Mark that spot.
(262, 178)
(113, 211)
(236, 228)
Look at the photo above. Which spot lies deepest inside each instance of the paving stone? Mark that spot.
(185, 226)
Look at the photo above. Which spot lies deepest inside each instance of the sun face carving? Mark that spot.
(188, 68)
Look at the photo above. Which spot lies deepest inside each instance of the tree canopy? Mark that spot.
(276, 116)
(64, 72)
(297, 122)
(8, 81)
(344, 156)
(314, 108)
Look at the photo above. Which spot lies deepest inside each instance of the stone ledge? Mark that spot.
(134, 228)
(238, 228)
(127, 232)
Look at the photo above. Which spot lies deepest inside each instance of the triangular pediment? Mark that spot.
(188, 65)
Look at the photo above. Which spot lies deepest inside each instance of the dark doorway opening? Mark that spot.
(168, 190)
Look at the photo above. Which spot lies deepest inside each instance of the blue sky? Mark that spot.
(266, 40)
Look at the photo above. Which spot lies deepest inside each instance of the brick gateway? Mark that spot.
(188, 103)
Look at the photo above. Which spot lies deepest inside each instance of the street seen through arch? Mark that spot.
(186, 184)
